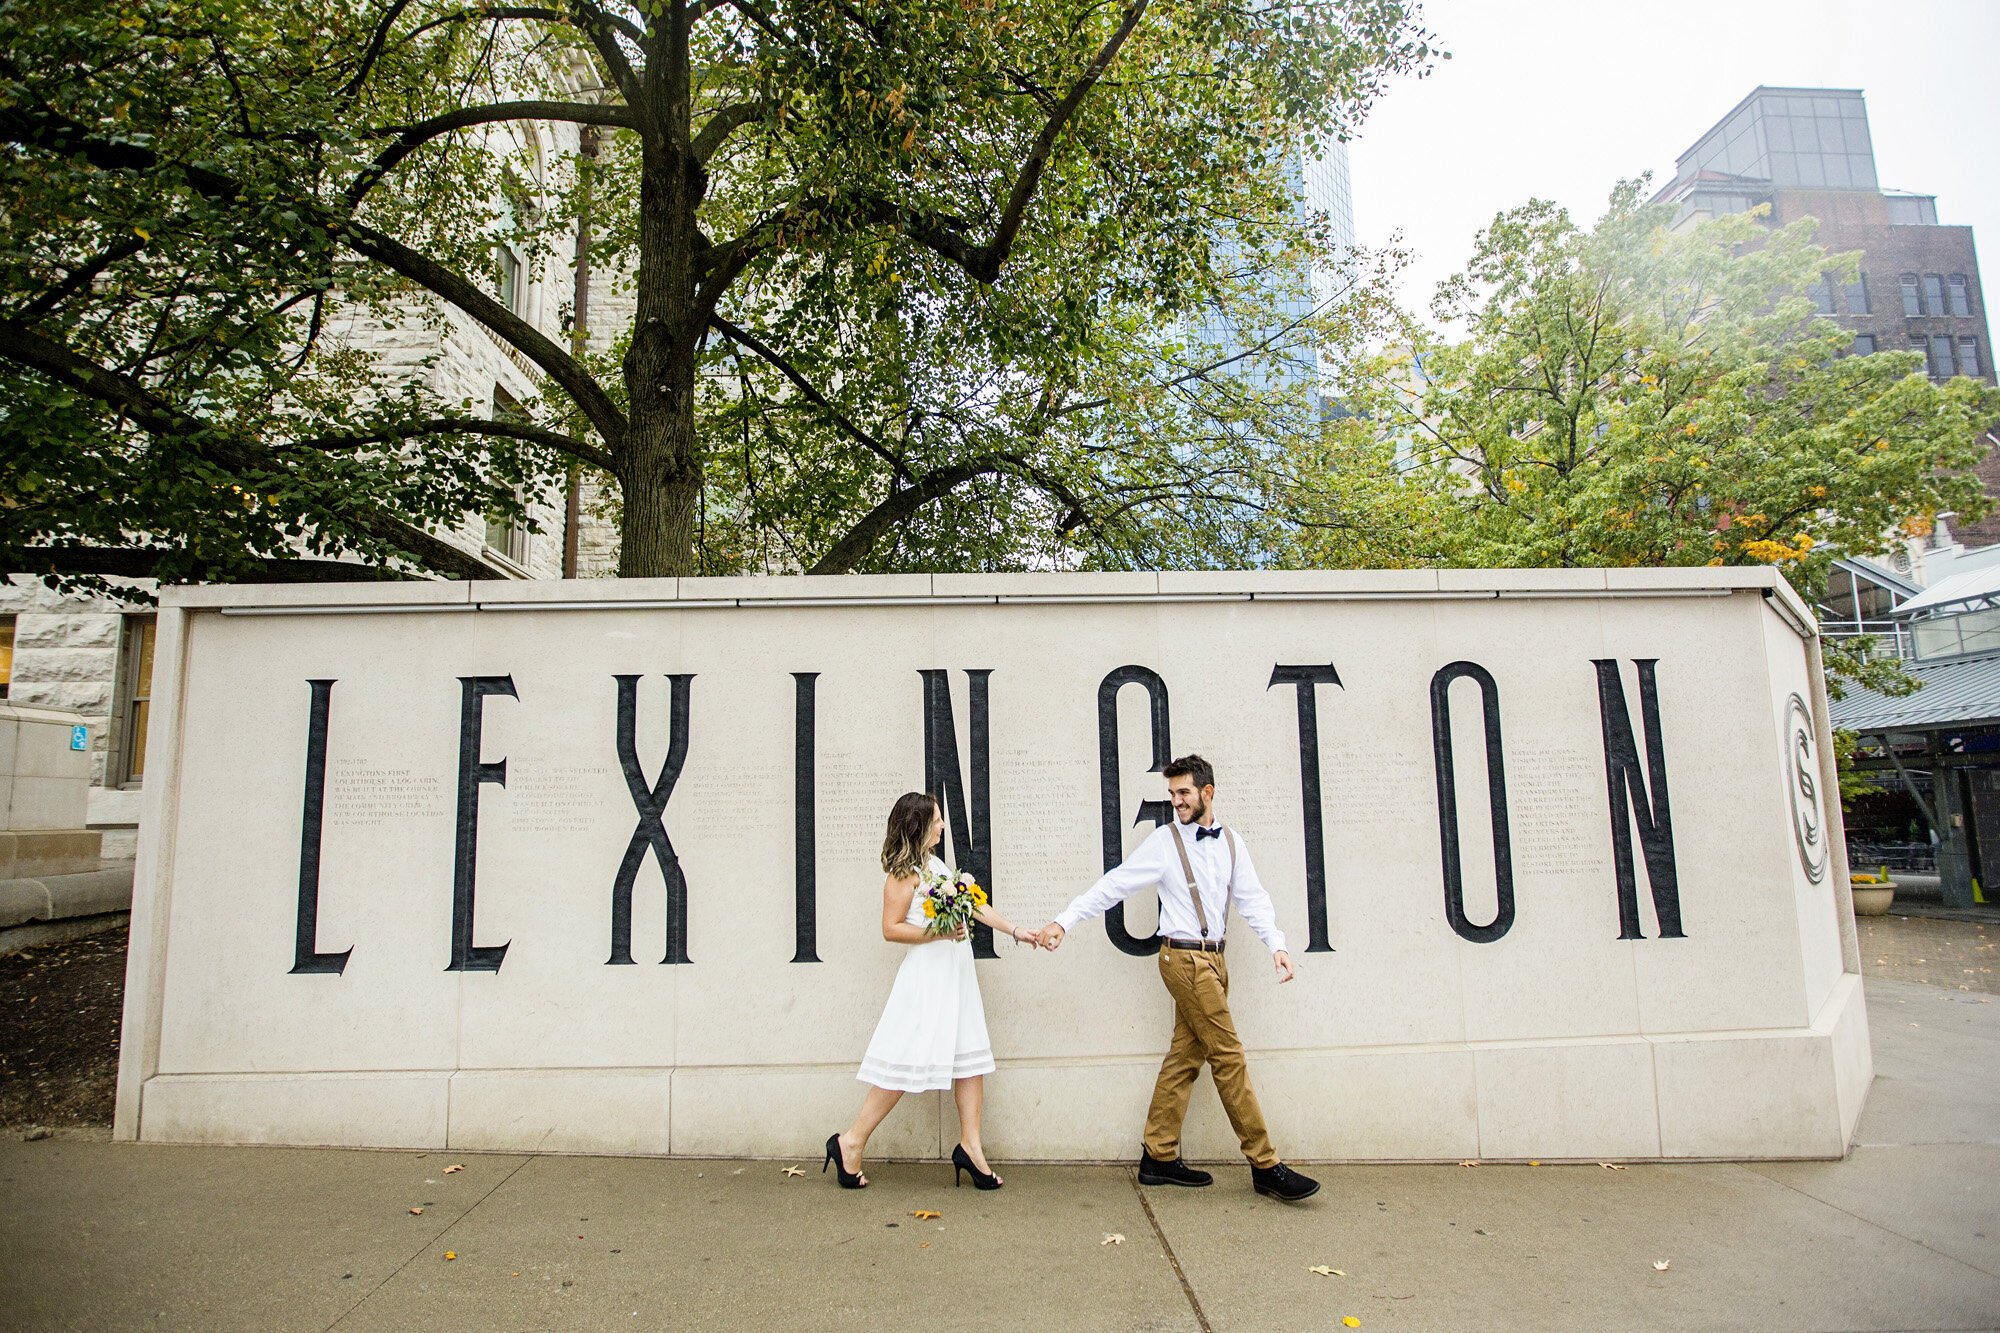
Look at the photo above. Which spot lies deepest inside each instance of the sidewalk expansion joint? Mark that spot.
(1166, 1247)
(434, 1240)
(1752, 1168)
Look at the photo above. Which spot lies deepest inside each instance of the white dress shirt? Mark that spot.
(1154, 864)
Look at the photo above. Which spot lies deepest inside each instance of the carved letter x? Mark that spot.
(651, 833)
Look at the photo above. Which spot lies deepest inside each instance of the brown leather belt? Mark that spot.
(1206, 946)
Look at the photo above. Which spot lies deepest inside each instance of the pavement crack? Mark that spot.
(434, 1240)
(1159, 1234)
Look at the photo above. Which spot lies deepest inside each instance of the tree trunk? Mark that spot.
(660, 466)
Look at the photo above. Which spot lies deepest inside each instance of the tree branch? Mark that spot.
(78, 279)
(995, 252)
(602, 29)
(513, 430)
(745, 339)
(377, 40)
(153, 414)
(428, 273)
(57, 135)
(723, 124)
(409, 138)
(900, 503)
(697, 12)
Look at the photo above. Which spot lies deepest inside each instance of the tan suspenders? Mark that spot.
(1187, 869)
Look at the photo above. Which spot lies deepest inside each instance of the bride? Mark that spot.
(932, 1034)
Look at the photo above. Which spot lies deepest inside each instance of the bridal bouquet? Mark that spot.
(949, 903)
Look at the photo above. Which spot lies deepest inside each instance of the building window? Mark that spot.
(1822, 295)
(1961, 295)
(1933, 294)
(1864, 345)
(1857, 296)
(6, 654)
(1907, 211)
(1939, 357)
(1968, 356)
(1913, 302)
(506, 534)
(135, 696)
(509, 278)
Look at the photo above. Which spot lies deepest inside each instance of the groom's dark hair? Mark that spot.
(1191, 766)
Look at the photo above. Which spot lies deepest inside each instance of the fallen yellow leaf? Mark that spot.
(416, 1212)
(925, 1246)
(1350, 1321)
(1324, 1271)
(451, 1254)
(1534, 1163)
(1468, 1164)
(1611, 1166)
(792, 1171)
(459, 1167)
(925, 1214)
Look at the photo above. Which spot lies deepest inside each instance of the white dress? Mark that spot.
(933, 1028)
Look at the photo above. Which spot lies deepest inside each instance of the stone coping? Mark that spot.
(947, 589)
(62, 897)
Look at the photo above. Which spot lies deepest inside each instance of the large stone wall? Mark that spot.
(379, 894)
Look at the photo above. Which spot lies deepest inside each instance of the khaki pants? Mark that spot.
(1203, 1033)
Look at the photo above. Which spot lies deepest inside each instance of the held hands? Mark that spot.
(1050, 937)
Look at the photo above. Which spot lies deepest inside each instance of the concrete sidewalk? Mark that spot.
(1903, 1235)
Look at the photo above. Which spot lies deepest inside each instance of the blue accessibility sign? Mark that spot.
(79, 738)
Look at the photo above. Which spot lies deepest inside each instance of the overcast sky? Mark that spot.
(1558, 99)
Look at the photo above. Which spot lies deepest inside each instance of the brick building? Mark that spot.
(1807, 152)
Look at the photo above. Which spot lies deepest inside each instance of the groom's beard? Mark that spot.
(1195, 812)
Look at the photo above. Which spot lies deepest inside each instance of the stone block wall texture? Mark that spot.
(1656, 960)
(67, 656)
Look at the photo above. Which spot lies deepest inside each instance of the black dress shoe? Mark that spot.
(1281, 1182)
(1153, 1171)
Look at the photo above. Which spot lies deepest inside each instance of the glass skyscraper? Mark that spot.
(1320, 185)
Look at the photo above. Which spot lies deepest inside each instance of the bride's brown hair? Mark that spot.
(903, 850)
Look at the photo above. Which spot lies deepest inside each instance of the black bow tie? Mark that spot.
(1201, 833)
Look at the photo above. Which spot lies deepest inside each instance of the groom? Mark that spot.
(1199, 868)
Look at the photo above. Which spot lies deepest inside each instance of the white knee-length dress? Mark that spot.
(933, 1029)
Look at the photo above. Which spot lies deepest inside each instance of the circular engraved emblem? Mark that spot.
(1808, 806)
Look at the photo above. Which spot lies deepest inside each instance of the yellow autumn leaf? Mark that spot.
(1349, 1321)
(142, 233)
(925, 1214)
(416, 1212)
(451, 1254)
(456, 1167)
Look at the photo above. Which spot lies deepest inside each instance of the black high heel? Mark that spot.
(849, 1180)
(961, 1160)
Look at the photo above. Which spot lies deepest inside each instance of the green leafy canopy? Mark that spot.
(909, 282)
